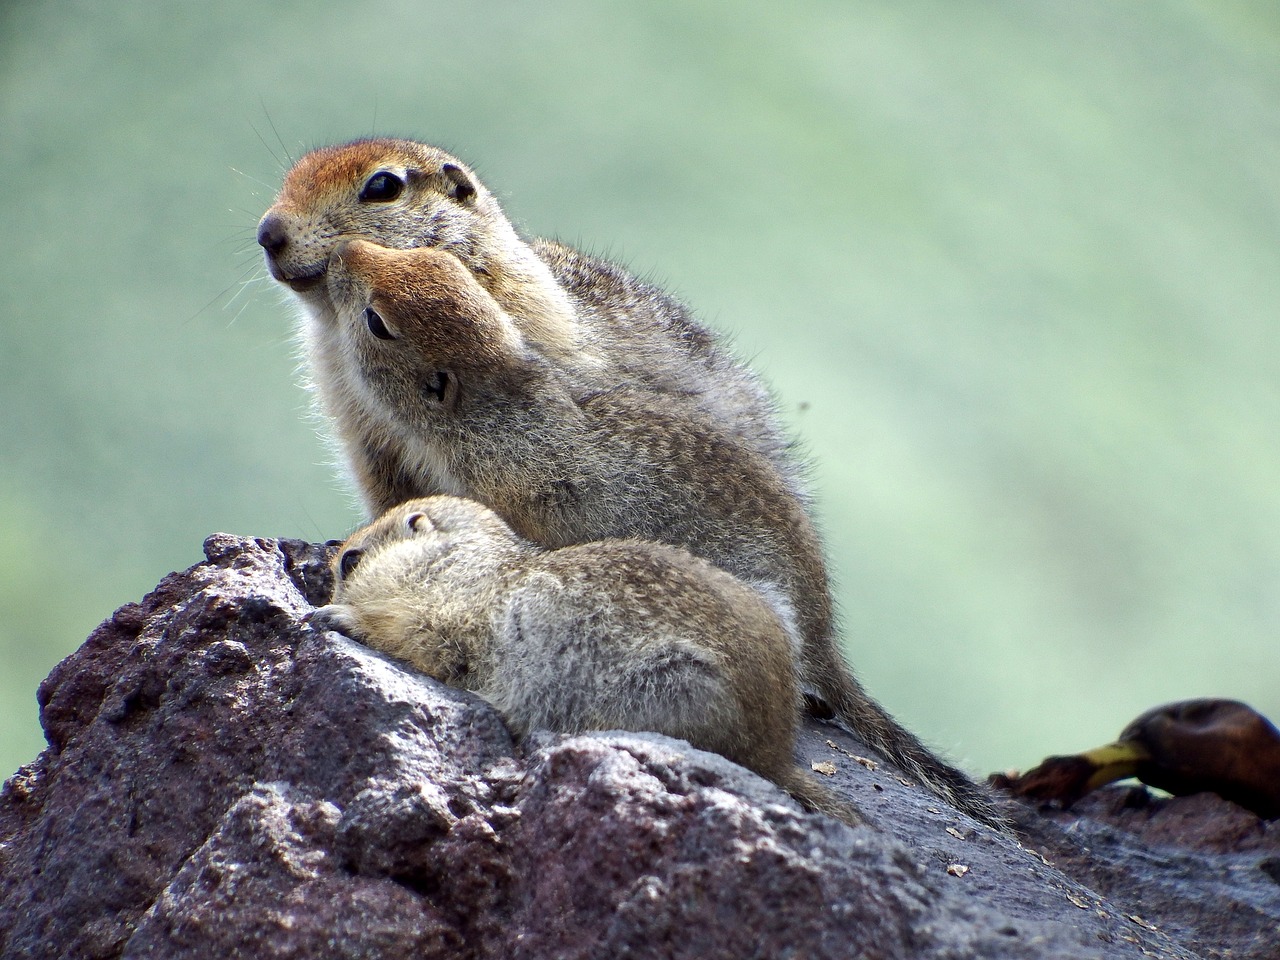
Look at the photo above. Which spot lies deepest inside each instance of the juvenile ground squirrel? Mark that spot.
(620, 418)
(616, 634)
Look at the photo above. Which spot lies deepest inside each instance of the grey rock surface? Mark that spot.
(223, 781)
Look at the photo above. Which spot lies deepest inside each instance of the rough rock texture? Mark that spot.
(1205, 870)
(223, 781)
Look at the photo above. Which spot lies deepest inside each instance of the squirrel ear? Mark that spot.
(349, 561)
(458, 184)
(417, 522)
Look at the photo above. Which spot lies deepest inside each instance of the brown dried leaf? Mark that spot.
(865, 761)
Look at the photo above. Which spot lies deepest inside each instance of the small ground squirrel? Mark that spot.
(622, 418)
(627, 635)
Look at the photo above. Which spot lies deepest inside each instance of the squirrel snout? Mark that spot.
(273, 234)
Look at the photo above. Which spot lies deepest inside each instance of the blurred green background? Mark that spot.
(1012, 267)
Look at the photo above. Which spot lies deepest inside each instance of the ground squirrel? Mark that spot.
(615, 634)
(598, 323)
(435, 386)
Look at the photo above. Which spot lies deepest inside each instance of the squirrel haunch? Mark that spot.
(614, 634)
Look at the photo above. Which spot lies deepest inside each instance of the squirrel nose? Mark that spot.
(273, 235)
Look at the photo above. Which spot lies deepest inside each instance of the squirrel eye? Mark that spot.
(436, 385)
(350, 560)
(376, 326)
(381, 187)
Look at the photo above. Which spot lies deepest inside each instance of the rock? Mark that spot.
(1203, 869)
(221, 780)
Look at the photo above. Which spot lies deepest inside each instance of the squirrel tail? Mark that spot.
(848, 705)
(815, 797)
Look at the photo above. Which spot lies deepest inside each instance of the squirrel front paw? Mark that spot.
(338, 617)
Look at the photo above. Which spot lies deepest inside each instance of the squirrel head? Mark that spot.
(423, 332)
(396, 192)
(437, 526)
(400, 581)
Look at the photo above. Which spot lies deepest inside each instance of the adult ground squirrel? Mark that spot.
(627, 635)
(444, 395)
(599, 324)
